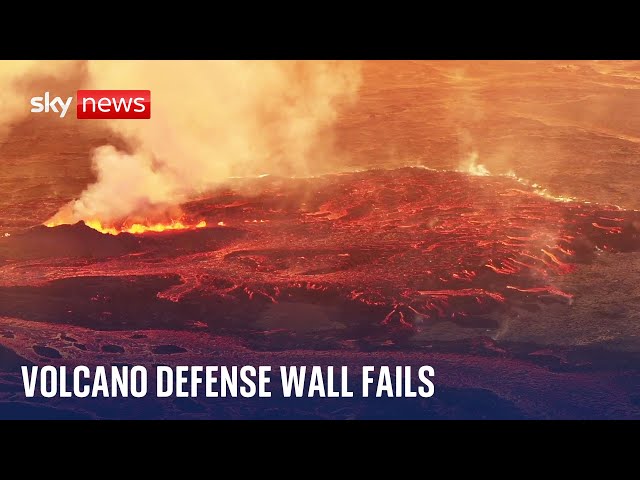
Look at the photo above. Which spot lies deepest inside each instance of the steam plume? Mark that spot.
(210, 121)
(466, 110)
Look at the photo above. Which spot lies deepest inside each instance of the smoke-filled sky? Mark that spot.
(569, 126)
(211, 120)
(15, 83)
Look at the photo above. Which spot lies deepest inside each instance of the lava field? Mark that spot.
(384, 252)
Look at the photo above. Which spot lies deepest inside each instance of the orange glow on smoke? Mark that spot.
(138, 228)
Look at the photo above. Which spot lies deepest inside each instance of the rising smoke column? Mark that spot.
(210, 120)
(466, 109)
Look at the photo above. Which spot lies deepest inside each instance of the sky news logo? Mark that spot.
(98, 104)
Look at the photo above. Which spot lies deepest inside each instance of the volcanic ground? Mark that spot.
(526, 305)
(484, 275)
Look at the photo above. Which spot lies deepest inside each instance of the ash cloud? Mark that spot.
(210, 120)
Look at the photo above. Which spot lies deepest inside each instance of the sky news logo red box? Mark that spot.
(113, 104)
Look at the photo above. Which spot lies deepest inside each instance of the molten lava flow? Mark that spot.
(137, 228)
(392, 248)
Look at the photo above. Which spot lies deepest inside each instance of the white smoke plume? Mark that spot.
(210, 120)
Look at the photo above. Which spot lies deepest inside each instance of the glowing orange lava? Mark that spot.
(137, 228)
